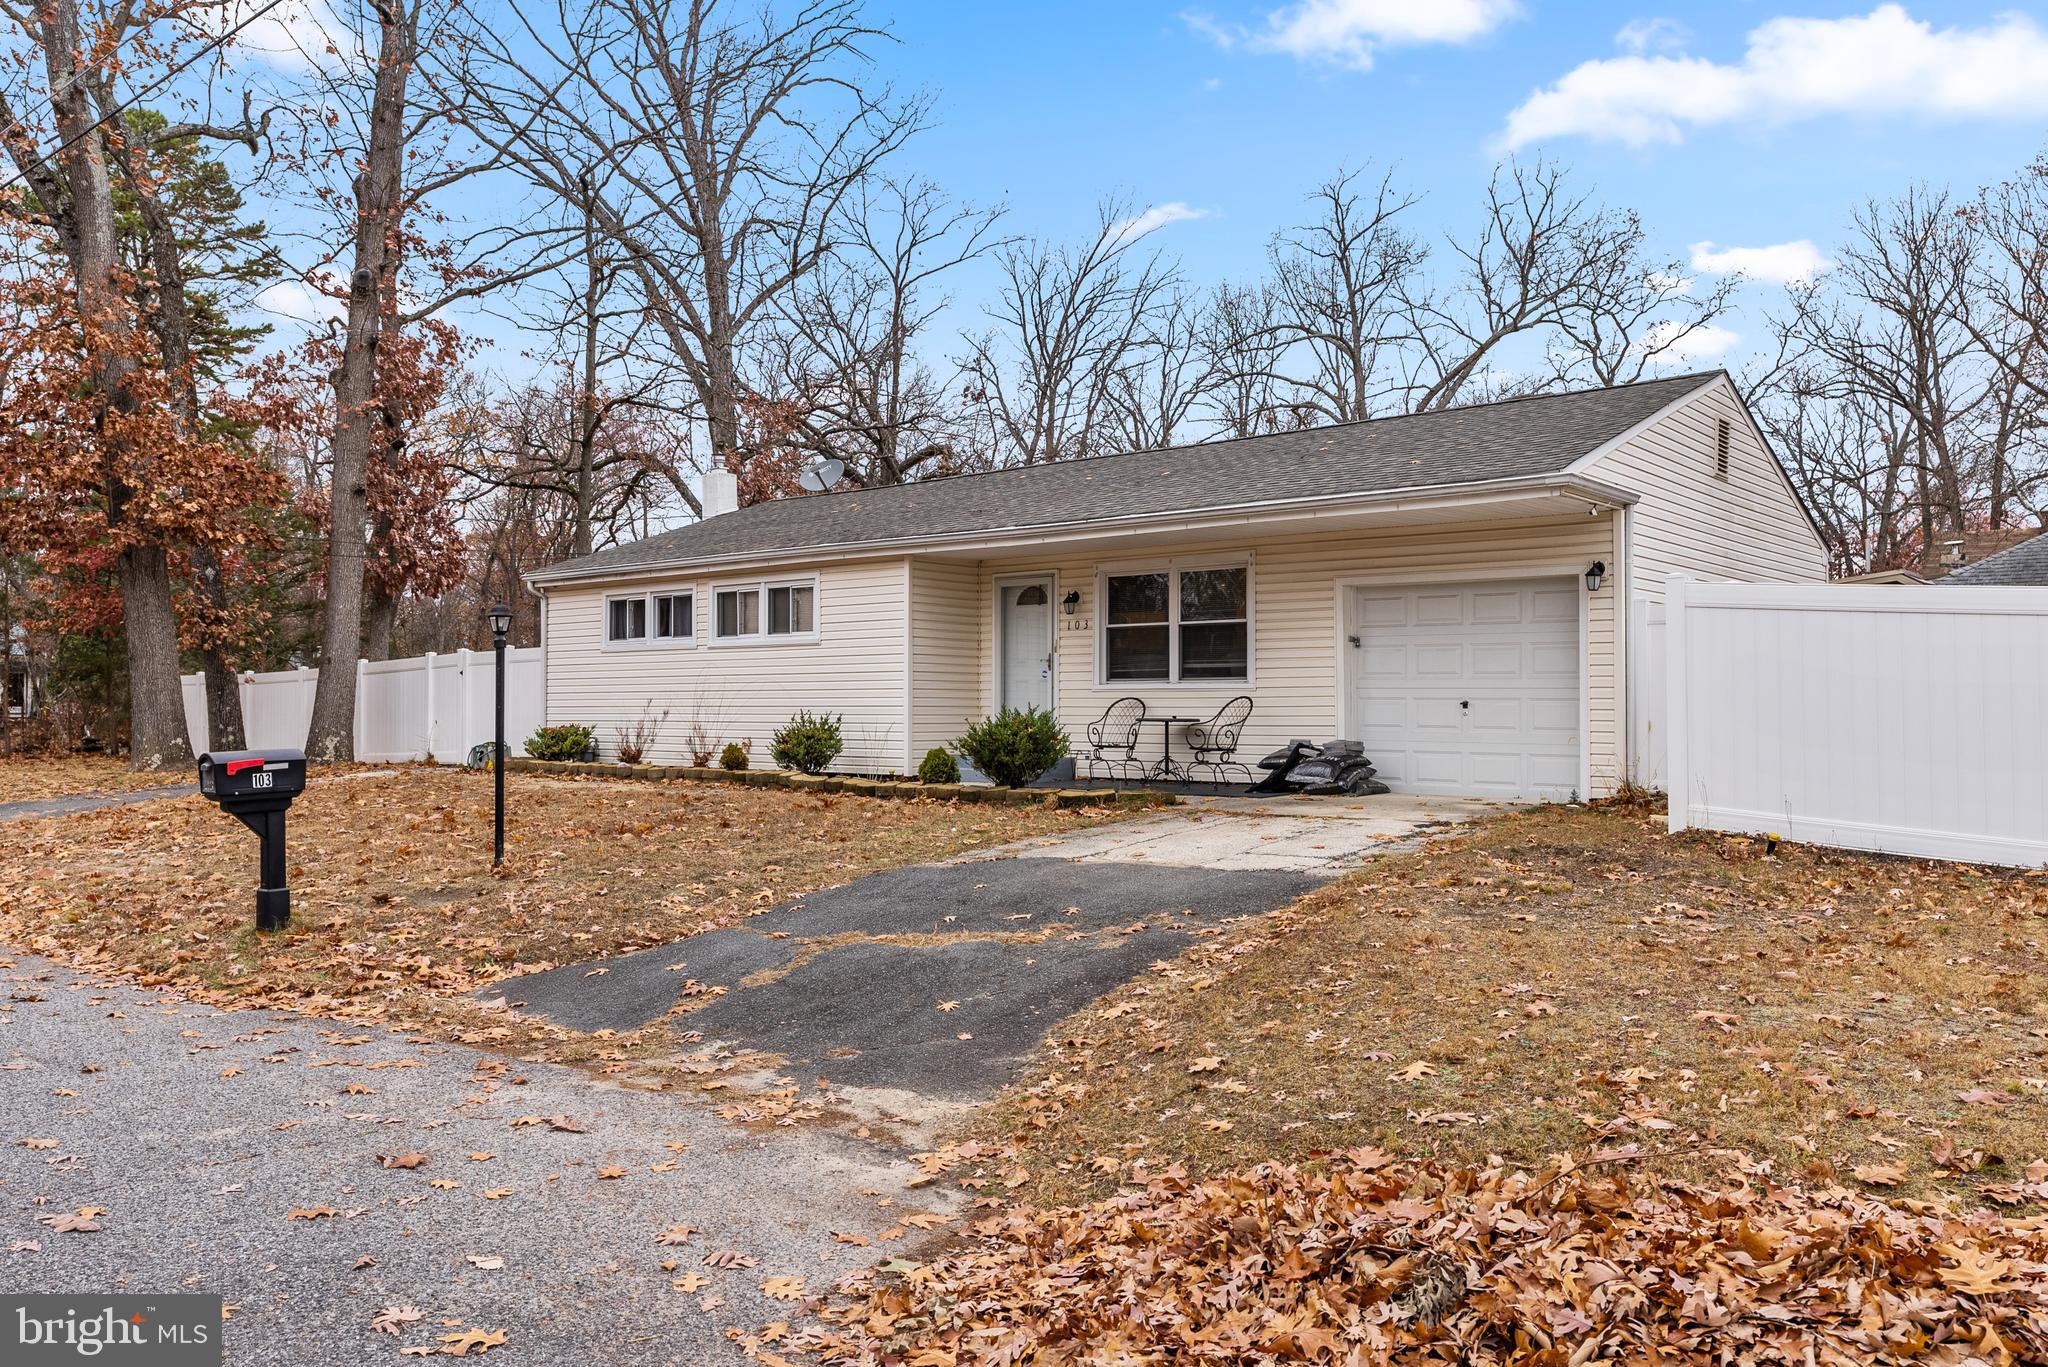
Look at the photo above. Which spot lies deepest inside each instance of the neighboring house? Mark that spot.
(1419, 583)
(2023, 564)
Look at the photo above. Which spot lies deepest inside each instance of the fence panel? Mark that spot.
(1897, 718)
(436, 706)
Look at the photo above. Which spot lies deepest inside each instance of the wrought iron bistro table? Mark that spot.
(1166, 768)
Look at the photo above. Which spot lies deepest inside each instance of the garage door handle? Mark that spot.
(1467, 704)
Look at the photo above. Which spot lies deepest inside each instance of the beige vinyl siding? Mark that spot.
(946, 615)
(1747, 527)
(854, 668)
(1294, 621)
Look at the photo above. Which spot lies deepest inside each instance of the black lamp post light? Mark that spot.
(501, 622)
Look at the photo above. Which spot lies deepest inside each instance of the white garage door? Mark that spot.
(1469, 690)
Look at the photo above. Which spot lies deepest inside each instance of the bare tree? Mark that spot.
(1545, 260)
(1066, 323)
(1166, 379)
(723, 151)
(1339, 284)
(846, 356)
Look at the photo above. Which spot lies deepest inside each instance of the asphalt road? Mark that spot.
(201, 1131)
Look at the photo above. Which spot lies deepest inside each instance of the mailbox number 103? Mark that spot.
(259, 779)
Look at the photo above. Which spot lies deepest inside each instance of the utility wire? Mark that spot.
(211, 46)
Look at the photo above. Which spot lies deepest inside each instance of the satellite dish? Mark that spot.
(821, 477)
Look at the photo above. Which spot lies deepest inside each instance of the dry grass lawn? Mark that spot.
(31, 778)
(396, 912)
(1579, 980)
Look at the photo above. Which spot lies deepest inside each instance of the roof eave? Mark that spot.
(1417, 496)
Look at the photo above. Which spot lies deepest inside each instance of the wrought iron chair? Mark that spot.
(1214, 741)
(1113, 739)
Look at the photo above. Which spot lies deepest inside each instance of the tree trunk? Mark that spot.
(157, 738)
(380, 623)
(79, 197)
(225, 727)
(359, 418)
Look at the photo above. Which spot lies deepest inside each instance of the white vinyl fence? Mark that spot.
(429, 706)
(1899, 718)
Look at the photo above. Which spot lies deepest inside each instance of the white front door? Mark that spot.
(1468, 690)
(1024, 644)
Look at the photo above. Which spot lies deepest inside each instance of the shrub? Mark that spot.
(560, 742)
(734, 756)
(636, 740)
(938, 767)
(808, 743)
(1014, 747)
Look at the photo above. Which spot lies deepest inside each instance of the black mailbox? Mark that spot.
(256, 786)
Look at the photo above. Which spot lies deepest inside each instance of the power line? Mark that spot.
(211, 46)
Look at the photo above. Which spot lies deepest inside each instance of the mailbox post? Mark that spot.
(255, 787)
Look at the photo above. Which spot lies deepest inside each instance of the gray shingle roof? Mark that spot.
(1519, 438)
(2026, 563)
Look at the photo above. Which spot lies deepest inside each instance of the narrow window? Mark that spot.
(1137, 641)
(626, 619)
(1722, 435)
(1215, 640)
(789, 610)
(675, 616)
(739, 613)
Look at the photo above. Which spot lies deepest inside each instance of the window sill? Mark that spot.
(728, 642)
(653, 643)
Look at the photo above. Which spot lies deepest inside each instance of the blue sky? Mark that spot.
(1756, 125)
(1048, 106)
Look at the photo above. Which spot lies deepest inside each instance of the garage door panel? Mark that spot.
(1504, 660)
(1384, 662)
(1471, 689)
(1437, 714)
(1439, 662)
(1495, 716)
(1438, 609)
(1554, 661)
(1382, 610)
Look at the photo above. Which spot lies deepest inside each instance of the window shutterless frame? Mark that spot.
(1173, 568)
(662, 618)
(781, 611)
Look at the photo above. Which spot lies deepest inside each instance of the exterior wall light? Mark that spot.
(1596, 574)
(1071, 604)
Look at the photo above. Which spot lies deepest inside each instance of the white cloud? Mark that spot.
(293, 299)
(1352, 31)
(299, 35)
(1157, 217)
(1702, 343)
(1781, 263)
(1652, 35)
(1880, 63)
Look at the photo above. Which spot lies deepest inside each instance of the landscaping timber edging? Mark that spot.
(843, 783)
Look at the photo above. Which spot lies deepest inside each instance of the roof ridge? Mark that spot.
(1344, 425)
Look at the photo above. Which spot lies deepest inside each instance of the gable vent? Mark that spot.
(1722, 434)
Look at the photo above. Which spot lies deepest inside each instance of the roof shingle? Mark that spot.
(2025, 564)
(1518, 438)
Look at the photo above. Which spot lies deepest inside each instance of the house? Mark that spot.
(2023, 563)
(1447, 587)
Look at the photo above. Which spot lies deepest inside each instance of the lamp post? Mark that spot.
(501, 622)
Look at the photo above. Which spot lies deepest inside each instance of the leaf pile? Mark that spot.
(1374, 1262)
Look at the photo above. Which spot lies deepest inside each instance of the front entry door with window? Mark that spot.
(1024, 635)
